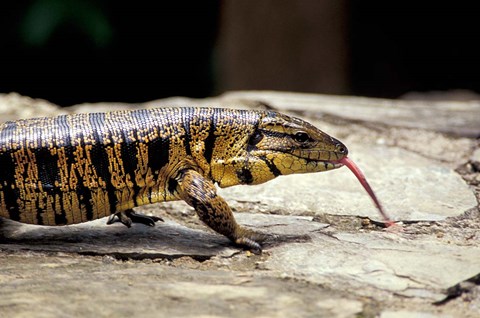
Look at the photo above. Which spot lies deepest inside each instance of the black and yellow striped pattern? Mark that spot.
(75, 168)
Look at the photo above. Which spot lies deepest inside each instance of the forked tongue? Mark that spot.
(361, 177)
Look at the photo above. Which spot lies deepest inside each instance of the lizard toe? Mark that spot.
(251, 240)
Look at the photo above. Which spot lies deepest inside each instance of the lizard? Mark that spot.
(80, 167)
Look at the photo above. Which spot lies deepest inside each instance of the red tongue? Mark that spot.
(358, 173)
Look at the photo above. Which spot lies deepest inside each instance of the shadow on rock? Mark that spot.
(169, 240)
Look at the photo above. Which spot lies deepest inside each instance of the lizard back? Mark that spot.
(75, 168)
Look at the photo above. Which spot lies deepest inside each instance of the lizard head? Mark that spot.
(282, 145)
(279, 145)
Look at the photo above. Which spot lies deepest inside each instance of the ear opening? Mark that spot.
(255, 138)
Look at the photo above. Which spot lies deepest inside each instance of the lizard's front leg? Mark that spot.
(128, 217)
(201, 194)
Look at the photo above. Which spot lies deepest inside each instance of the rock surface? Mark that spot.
(328, 256)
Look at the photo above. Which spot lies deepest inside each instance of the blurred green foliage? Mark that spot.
(44, 17)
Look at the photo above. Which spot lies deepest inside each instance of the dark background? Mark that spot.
(74, 51)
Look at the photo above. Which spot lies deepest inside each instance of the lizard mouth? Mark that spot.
(327, 164)
(337, 163)
(334, 164)
(320, 156)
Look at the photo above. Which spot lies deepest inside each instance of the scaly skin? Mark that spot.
(76, 168)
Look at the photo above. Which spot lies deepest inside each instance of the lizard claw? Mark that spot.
(128, 217)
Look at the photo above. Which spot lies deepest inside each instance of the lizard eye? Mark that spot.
(301, 137)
